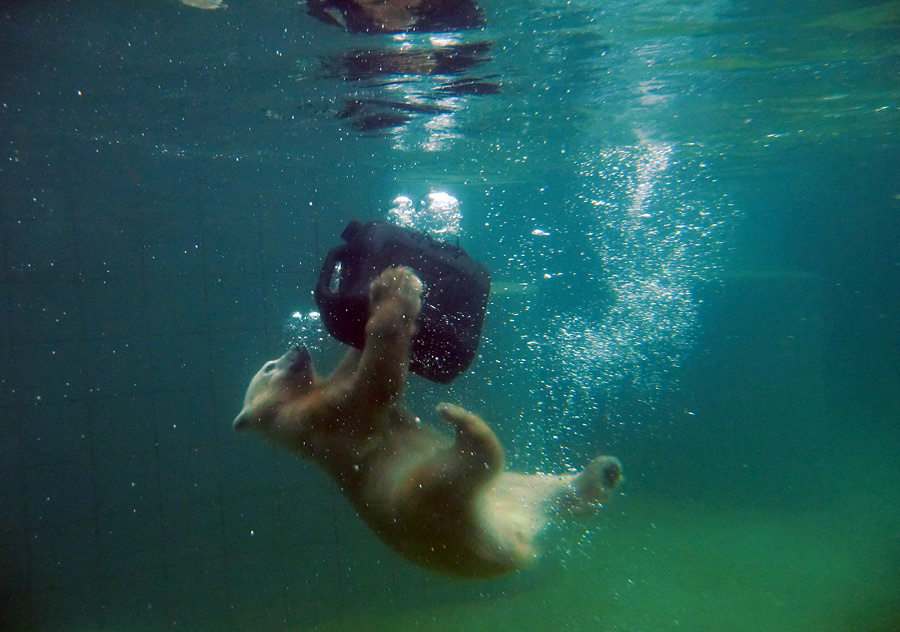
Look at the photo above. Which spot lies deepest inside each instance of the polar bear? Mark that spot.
(446, 504)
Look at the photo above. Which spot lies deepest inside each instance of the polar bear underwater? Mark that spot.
(447, 505)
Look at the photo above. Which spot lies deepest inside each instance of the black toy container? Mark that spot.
(453, 303)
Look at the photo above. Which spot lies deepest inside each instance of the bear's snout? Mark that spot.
(298, 359)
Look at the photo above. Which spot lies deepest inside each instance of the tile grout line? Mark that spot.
(205, 245)
(78, 280)
(152, 392)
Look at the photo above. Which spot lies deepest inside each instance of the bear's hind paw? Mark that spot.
(593, 485)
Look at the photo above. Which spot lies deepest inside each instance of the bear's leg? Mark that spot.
(476, 455)
(348, 364)
(395, 301)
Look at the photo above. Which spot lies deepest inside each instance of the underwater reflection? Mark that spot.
(422, 74)
(417, 79)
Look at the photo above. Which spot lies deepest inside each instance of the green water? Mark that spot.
(671, 566)
(691, 212)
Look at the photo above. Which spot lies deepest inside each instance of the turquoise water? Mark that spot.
(690, 211)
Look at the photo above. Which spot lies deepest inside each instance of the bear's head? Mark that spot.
(276, 383)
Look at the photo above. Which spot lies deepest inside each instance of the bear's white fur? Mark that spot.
(447, 505)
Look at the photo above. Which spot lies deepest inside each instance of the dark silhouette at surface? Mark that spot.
(398, 16)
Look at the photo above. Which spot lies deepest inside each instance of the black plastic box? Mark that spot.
(453, 303)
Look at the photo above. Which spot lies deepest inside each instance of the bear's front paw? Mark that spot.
(397, 284)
